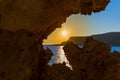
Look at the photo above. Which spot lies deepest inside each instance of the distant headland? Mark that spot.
(111, 38)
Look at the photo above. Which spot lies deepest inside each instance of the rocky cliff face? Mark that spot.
(111, 38)
(92, 62)
(23, 26)
(43, 15)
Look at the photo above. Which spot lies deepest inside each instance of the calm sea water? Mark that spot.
(59, 55)
(116, 48)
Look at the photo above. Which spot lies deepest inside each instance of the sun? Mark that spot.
(64, 33)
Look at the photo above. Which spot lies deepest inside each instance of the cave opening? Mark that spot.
(75, 25)
(80, 25)
(22, 55)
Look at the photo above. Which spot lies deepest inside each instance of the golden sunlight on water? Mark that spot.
(59, 57)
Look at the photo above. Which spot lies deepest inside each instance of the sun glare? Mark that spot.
(64, 33)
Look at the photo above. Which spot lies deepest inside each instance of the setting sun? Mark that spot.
(64, 33)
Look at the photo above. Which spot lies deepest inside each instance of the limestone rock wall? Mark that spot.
(33, 15)
(19, 55)
(94, 61)
(23, 26)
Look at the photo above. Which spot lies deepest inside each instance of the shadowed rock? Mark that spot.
(94, 61)
(24, 24)
(111, 38)
(44, 15)
(89, 63)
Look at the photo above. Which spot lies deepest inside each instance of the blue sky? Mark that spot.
(84, 25)
(108, 20)
(97, 23)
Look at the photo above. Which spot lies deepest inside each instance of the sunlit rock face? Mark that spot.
(23, 26)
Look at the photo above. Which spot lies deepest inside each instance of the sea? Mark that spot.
(59, 55)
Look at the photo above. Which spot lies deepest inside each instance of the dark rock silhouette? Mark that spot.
(58, 72)
(78, 40)
(92, 62)
(24, 24)
(112, 39)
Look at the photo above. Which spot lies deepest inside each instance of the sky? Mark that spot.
(82, 25)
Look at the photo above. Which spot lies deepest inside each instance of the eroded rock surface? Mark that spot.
(23, 26)
(43, 15)
(21, 56)
(94, 61)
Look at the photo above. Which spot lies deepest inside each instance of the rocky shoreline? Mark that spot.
(92, 62)
(24, 24)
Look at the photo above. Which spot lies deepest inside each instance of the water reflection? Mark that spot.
(58, 56)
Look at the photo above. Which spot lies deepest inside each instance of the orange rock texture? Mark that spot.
(23, 26)
(94, 61)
